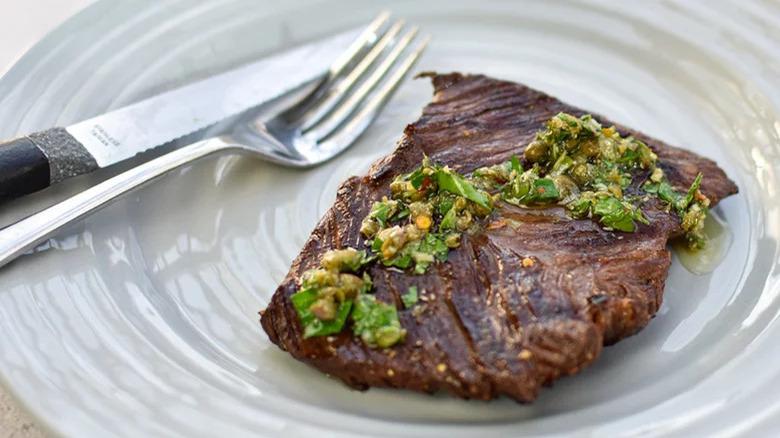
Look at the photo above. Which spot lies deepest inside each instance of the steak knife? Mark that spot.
(33, 162)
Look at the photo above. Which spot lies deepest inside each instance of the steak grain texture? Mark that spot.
(490, 326)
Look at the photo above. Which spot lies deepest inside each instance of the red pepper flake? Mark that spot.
(540, 190)
(425, 183)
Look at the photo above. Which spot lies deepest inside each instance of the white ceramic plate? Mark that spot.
(142, 319)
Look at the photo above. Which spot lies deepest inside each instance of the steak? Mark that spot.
(493, 323)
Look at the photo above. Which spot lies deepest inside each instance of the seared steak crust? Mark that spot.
(490, 325)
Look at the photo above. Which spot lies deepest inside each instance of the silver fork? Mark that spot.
(306, 133)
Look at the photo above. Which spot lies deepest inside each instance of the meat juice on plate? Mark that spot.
(705, 260)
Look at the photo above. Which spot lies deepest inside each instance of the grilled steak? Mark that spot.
(494, 323)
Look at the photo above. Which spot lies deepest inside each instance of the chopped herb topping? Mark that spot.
(692, 207)
(429, 209)
(330, 294)
(441, 205)
(586, 168)
(574, 162)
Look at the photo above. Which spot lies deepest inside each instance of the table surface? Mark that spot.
(22, 23)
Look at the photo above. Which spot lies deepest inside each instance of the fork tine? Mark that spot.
(367, 40)
(368, 36)
(340, 114)
(351, 130)
(324, 104)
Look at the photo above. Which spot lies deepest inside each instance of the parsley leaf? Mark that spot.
(651, 188)
(630, 157)
(380, 212)
(516, 166)
(614, 213)
(452, 182)
(421, 267)
(544, 190)
(399, 261)
(435, 245)
(692, 190)
(416, 178)
(448, 222)
(364, 260)
(411, 298)
(375, 322)
(445, 205)
(667, 193)
(579, 207)
(640, 217)
(312, 326)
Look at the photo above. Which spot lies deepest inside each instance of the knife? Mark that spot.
(33, 162)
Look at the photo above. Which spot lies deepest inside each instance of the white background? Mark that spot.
(22, 23)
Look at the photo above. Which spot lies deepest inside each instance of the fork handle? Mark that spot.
(29, 232)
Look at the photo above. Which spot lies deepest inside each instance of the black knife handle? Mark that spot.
(36, 161)
(24, 168)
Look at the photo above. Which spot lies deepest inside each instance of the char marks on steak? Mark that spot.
(492, 326)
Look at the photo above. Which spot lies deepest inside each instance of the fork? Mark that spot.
(308, 132)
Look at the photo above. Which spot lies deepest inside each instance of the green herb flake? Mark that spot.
(545, 190)
(579, 207)
(312, 326)
(423, 252)
(436, 246)
(531, 191)
(421, 267)
(445, 205)
(452, 182)
(516, 191)
(410, 299)
(668, 194)
(562, 136)
(630, 157)
(380, 211)
(663, 190)
(376, 323)
(692, 190)
(515, 164)
(651, 188)
(614, 214)
(402, 261)
(416, 178)
(448, 222)
(367, 283)
(366, 260)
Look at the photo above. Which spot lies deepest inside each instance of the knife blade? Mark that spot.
(36, 161)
